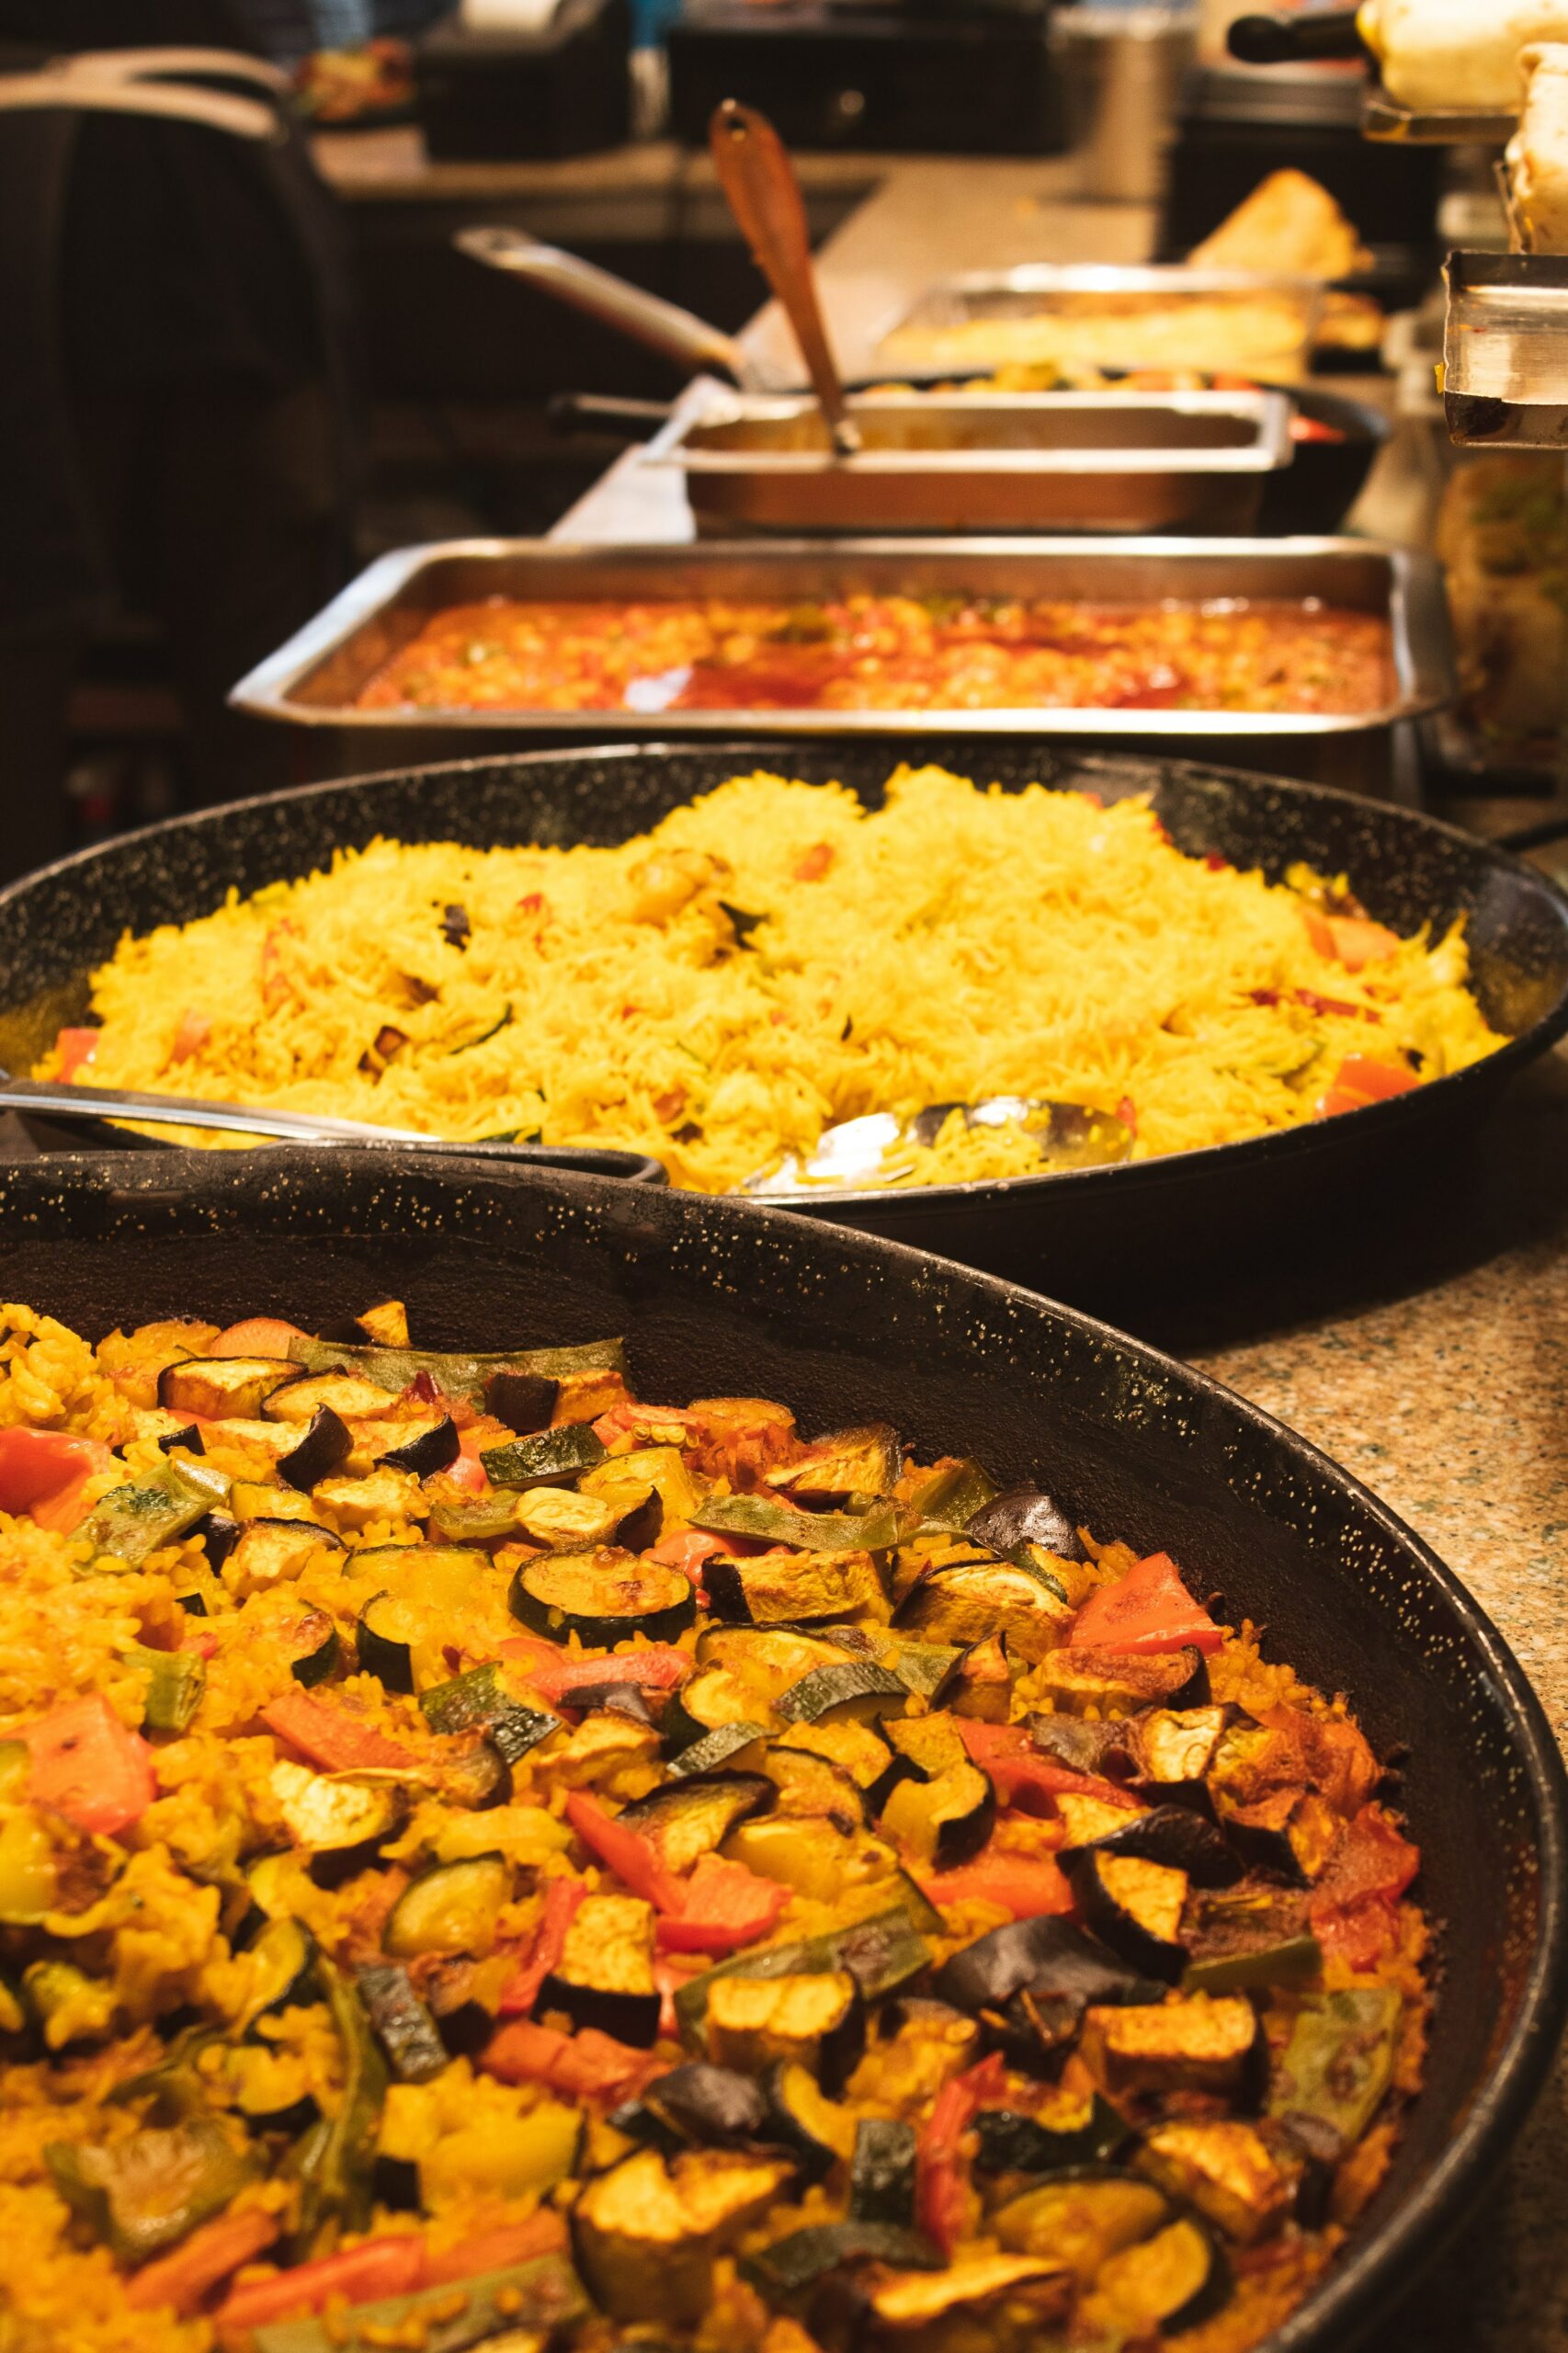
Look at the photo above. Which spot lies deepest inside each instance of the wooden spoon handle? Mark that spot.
(760, 183)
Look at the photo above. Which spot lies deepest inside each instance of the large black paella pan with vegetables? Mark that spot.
(582, 1766)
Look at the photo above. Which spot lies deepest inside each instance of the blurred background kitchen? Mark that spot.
(245, 355)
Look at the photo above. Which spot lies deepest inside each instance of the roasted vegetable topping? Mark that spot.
(824, 1890)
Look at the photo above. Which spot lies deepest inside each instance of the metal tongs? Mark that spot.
(77, 1102)
(166, 84)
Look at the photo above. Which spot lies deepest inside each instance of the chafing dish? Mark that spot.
(314, 680)
(1099, 314)
(982, 460)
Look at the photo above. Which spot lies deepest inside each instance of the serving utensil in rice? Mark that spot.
(80, 1103)
(854, 1151)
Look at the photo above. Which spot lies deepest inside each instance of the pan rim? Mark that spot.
(1133, 1178)
(1370, 2277)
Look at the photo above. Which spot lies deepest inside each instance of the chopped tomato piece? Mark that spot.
(687, 1552)
(587, 2065)
(1146, 1612)
(1021, 1774)
(816, 862)
(86, 1766)
(1371, 1859)
(75, 1049)
(333, 1741)
(43, 1473)
(940, 2187)
(1029, 1886)
(259, 1336)
(1351, 940)
(561, 1897)
(723, 1907)
(181, 2281)
(555, 1675)
(362, 2275)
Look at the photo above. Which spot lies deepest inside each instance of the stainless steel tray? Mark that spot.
(1506, 350)
(1042, 291)
(977, 461)
(312, 680)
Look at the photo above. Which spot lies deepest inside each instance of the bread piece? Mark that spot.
(1289, 226)
(1438, 53)
(1538, 151)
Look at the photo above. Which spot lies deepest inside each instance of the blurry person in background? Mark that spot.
(176, 424)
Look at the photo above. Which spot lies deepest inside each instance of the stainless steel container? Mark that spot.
(979, 461)
(1121, 70)
(314, 680)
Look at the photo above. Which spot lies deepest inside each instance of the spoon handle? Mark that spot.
(759, 183)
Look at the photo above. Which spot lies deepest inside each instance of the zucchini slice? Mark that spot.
(282, 1970)
(1195, 2043)
(979, 1683)
(864, 1461)
(818, 2133)
(726, 1745)
(325, 1448)
(176, 1682)
(646, 2237)
(1040, 2128)
(273, 1552)
(974, 1598)
(391, 1631)
(144, 1517)
(856, 1748)
(1166, 2283)
(817, 2019)
(855, 1690)
(477, 1777)
(436, 1449)
(449, 1909)
(473, 1519)
(479, 1701)
(565, 1521)
(337, 1813)
(786, 2270)
(524, 1400)
(881, 2173)
(695, 1818)
(221, 1389)
(314, 1648)
(404, 2027)
(1083, 2218)
(605, 1975)
(881, 1952)
(603, 1598)
(809, 1786)
(544, 1460)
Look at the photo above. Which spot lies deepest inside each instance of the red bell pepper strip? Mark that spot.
(630, 1856)
(332, 1740)
(75, 1049)
(1362, 1080)
(586, 2065)
(561, 1897)
(687, 1552)
(496, 2250)
(43, 1473)
(183, 2279)
(1350, 940)
(1021, 1774)
(86, 1766)
(939, 2186)
(362, 2275)
(1146, 1612)
(259, 1336)
(1029, 1886)
(555, 1674)
(721, 1907)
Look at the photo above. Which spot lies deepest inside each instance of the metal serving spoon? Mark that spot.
(83, 1103)
(852, 1153)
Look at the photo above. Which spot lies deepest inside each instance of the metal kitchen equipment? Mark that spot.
(1506, 350)
(1316, 35)
(314, 680)
(977, 461)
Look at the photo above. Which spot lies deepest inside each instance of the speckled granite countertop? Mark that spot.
(1431, 1358)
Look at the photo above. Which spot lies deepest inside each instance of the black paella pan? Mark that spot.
(1087, 1234)
(716, 1296)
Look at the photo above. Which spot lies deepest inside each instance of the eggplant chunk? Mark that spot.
(303, 1394)
(1198, 2044)
(523, 1401)
(1134, 1905)
(696, 1816)
(974, 1598)
(1048, 1958)
(646, 2237)
(1227, 2170)
(942, 1822)
(325, 1448)
(979, 1683)
(882, 2172)
(811, 1854)
(1169, 2283)
(791, 2267)
(1084, 1820)
(335, 1813)
(1253, 1934)
(856, 1691)
(711, 2106)
(603, 1596)
(734, 1747)
(1337, 2066)
(1027, 1515)
(1107, 1750)
(864, 1461)
(1292, 1832)
(807, 1784)
(754, 2022)
(1114, 1681)
(221, 1389)
(855, 1748)
(1083, 2218)
(917, 2300)
(385, 1494)
(818, 2133)
(1043, 2128)
(404, 2027)
(790, 1589)
(605, 1975)
(436, 1449)
(1174, 1748)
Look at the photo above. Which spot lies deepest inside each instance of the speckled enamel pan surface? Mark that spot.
(717, 1296)
(1062, 1231)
